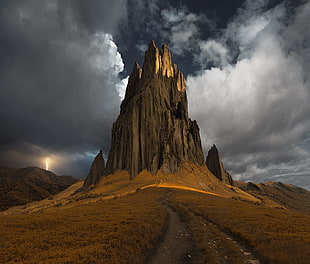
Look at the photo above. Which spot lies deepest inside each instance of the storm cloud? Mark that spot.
(58, 75)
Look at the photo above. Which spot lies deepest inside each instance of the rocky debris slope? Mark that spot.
(153, 130)
(96, 171)
(215, 165)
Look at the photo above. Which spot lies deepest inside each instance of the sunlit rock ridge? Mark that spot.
(153, 130)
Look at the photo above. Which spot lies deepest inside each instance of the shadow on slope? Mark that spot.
(25, 185)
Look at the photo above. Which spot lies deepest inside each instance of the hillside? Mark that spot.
(170, 223)
(24, 185)
(287, 195)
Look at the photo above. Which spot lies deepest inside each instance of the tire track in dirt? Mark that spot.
(177, 244)
(179, 247)
(215, 239)
(249, 257)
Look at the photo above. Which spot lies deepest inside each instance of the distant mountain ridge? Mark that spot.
(19, 186)
(287, 195)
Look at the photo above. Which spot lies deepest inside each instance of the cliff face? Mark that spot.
(216, 166)
(153, 130)
(96, 171)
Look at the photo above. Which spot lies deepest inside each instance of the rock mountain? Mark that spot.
(215, 165)
(96, 171)
(153, 130)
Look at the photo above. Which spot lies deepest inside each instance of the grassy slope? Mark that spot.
(106, 225)
(123, 230)
(287, 195)
(189, 176)
(25, 185)
(278, 236)
(115, 231)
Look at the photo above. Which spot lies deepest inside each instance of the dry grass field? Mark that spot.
(116, 231)
(126, 228)
(277, 236)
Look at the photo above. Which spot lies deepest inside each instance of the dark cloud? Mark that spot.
(100, 15)
(169, 22)
(57, 79)
(180, 24)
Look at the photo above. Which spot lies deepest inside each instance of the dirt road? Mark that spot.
(178, 245)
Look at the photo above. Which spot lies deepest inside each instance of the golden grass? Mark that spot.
(179, 187)
(58, 199)
(116, 231)
(107, 225)
(278, 236)
(189, 176)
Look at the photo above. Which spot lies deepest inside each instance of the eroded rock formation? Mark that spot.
(96, 171)
(153, 130)
(215, 165)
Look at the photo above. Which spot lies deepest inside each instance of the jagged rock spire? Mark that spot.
(153, 130)
(96, 171)
(215, 165)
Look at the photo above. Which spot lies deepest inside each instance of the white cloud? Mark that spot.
(257, 108)
(103, 44)
(250, 23)
(121, 87)
(182, 28)
(212, 51)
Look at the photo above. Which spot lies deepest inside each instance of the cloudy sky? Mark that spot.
(64, 67)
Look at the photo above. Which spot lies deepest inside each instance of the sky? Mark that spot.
(64, 66)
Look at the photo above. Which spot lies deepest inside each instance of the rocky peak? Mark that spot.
(134, 78)
(156, 61)
(157, 64)
(216, 166)
(96, 171)
(153, 130)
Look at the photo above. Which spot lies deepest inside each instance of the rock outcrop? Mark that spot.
(96, 171)
(153, 130)
(216, 166)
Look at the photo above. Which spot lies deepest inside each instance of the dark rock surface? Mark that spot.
(216, 166)
(96, 171)
(153, 130)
